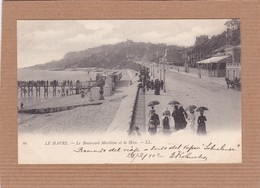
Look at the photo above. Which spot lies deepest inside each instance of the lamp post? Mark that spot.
(164, 71)
(153, 70)
(160, 69)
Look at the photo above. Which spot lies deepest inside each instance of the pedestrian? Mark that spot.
(166, 124)
(182, 117)
(154, 121)
(228, 82)
(152, 85)
(192, 118)
(201, 124)
(176, 117)
(157, 87)
(148, 85)
(21, 105)
(136, 131)
(161, 84)
(143, 88)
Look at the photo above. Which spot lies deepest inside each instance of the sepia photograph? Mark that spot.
(86, 85)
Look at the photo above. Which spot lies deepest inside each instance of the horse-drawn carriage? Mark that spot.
(234, 84)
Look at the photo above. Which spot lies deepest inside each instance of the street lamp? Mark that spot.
(164, 71)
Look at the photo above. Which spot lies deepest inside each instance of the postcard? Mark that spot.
(114, 91)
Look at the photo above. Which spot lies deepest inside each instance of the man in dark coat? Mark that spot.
(157, 87)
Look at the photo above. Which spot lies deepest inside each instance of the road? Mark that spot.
(224, 104)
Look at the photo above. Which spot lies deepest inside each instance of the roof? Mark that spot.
(213, 59)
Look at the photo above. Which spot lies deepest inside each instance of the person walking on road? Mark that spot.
(201, 124)
(157, 87)
(192, 118)
(152, 85)
(161, 84)
(176, 117)
(153, 123)
(182, 115)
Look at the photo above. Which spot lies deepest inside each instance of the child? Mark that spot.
(201, 124)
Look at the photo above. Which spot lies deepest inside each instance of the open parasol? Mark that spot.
(152, 103)
(190, 107)
(202, 108)
(174, 102)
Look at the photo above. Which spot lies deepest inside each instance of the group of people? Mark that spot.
(149, 84)
(181, 118)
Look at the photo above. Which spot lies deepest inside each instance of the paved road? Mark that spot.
(224, 104)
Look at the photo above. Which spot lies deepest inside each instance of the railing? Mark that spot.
(132, 121)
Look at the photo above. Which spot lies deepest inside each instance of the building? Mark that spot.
(233, 68)
(214, 66)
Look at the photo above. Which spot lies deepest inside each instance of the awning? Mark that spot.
(213, 59)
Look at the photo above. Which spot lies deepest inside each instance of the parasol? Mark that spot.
(173, 102)
(190, 107)
(202, 108)
(152, 103)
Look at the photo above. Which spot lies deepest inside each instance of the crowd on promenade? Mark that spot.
(146, 83)
(183, 119)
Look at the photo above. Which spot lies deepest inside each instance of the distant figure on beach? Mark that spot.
(21, 105)
(154, 121)
(201, 124)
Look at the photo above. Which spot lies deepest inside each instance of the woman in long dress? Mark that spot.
(182, 117)
(153, 123)
(201, 124)
(192, 120)
(175, 115)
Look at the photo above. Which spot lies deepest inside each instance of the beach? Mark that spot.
(87, 119)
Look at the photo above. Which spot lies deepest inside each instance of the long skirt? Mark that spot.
(201, 128)
(166, 124)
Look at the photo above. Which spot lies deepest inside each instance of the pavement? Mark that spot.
(224, 104)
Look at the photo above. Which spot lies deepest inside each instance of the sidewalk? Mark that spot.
(216, 80)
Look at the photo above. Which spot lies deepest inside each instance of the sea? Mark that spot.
(25, 74)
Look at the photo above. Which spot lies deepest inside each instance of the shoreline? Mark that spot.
(89, 119)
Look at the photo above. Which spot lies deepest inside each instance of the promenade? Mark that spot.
(224, 104)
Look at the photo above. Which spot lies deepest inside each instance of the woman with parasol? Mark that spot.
(175, 114)
(201, 121)
(166, 115)
(154, 121)
(191, 117)
(152, 104)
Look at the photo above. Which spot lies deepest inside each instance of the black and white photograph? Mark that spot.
(129, 91)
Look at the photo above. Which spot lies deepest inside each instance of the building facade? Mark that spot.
(233, 68)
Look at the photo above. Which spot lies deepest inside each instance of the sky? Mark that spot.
(42, 41)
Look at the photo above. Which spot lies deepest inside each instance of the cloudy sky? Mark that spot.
(43, 41)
